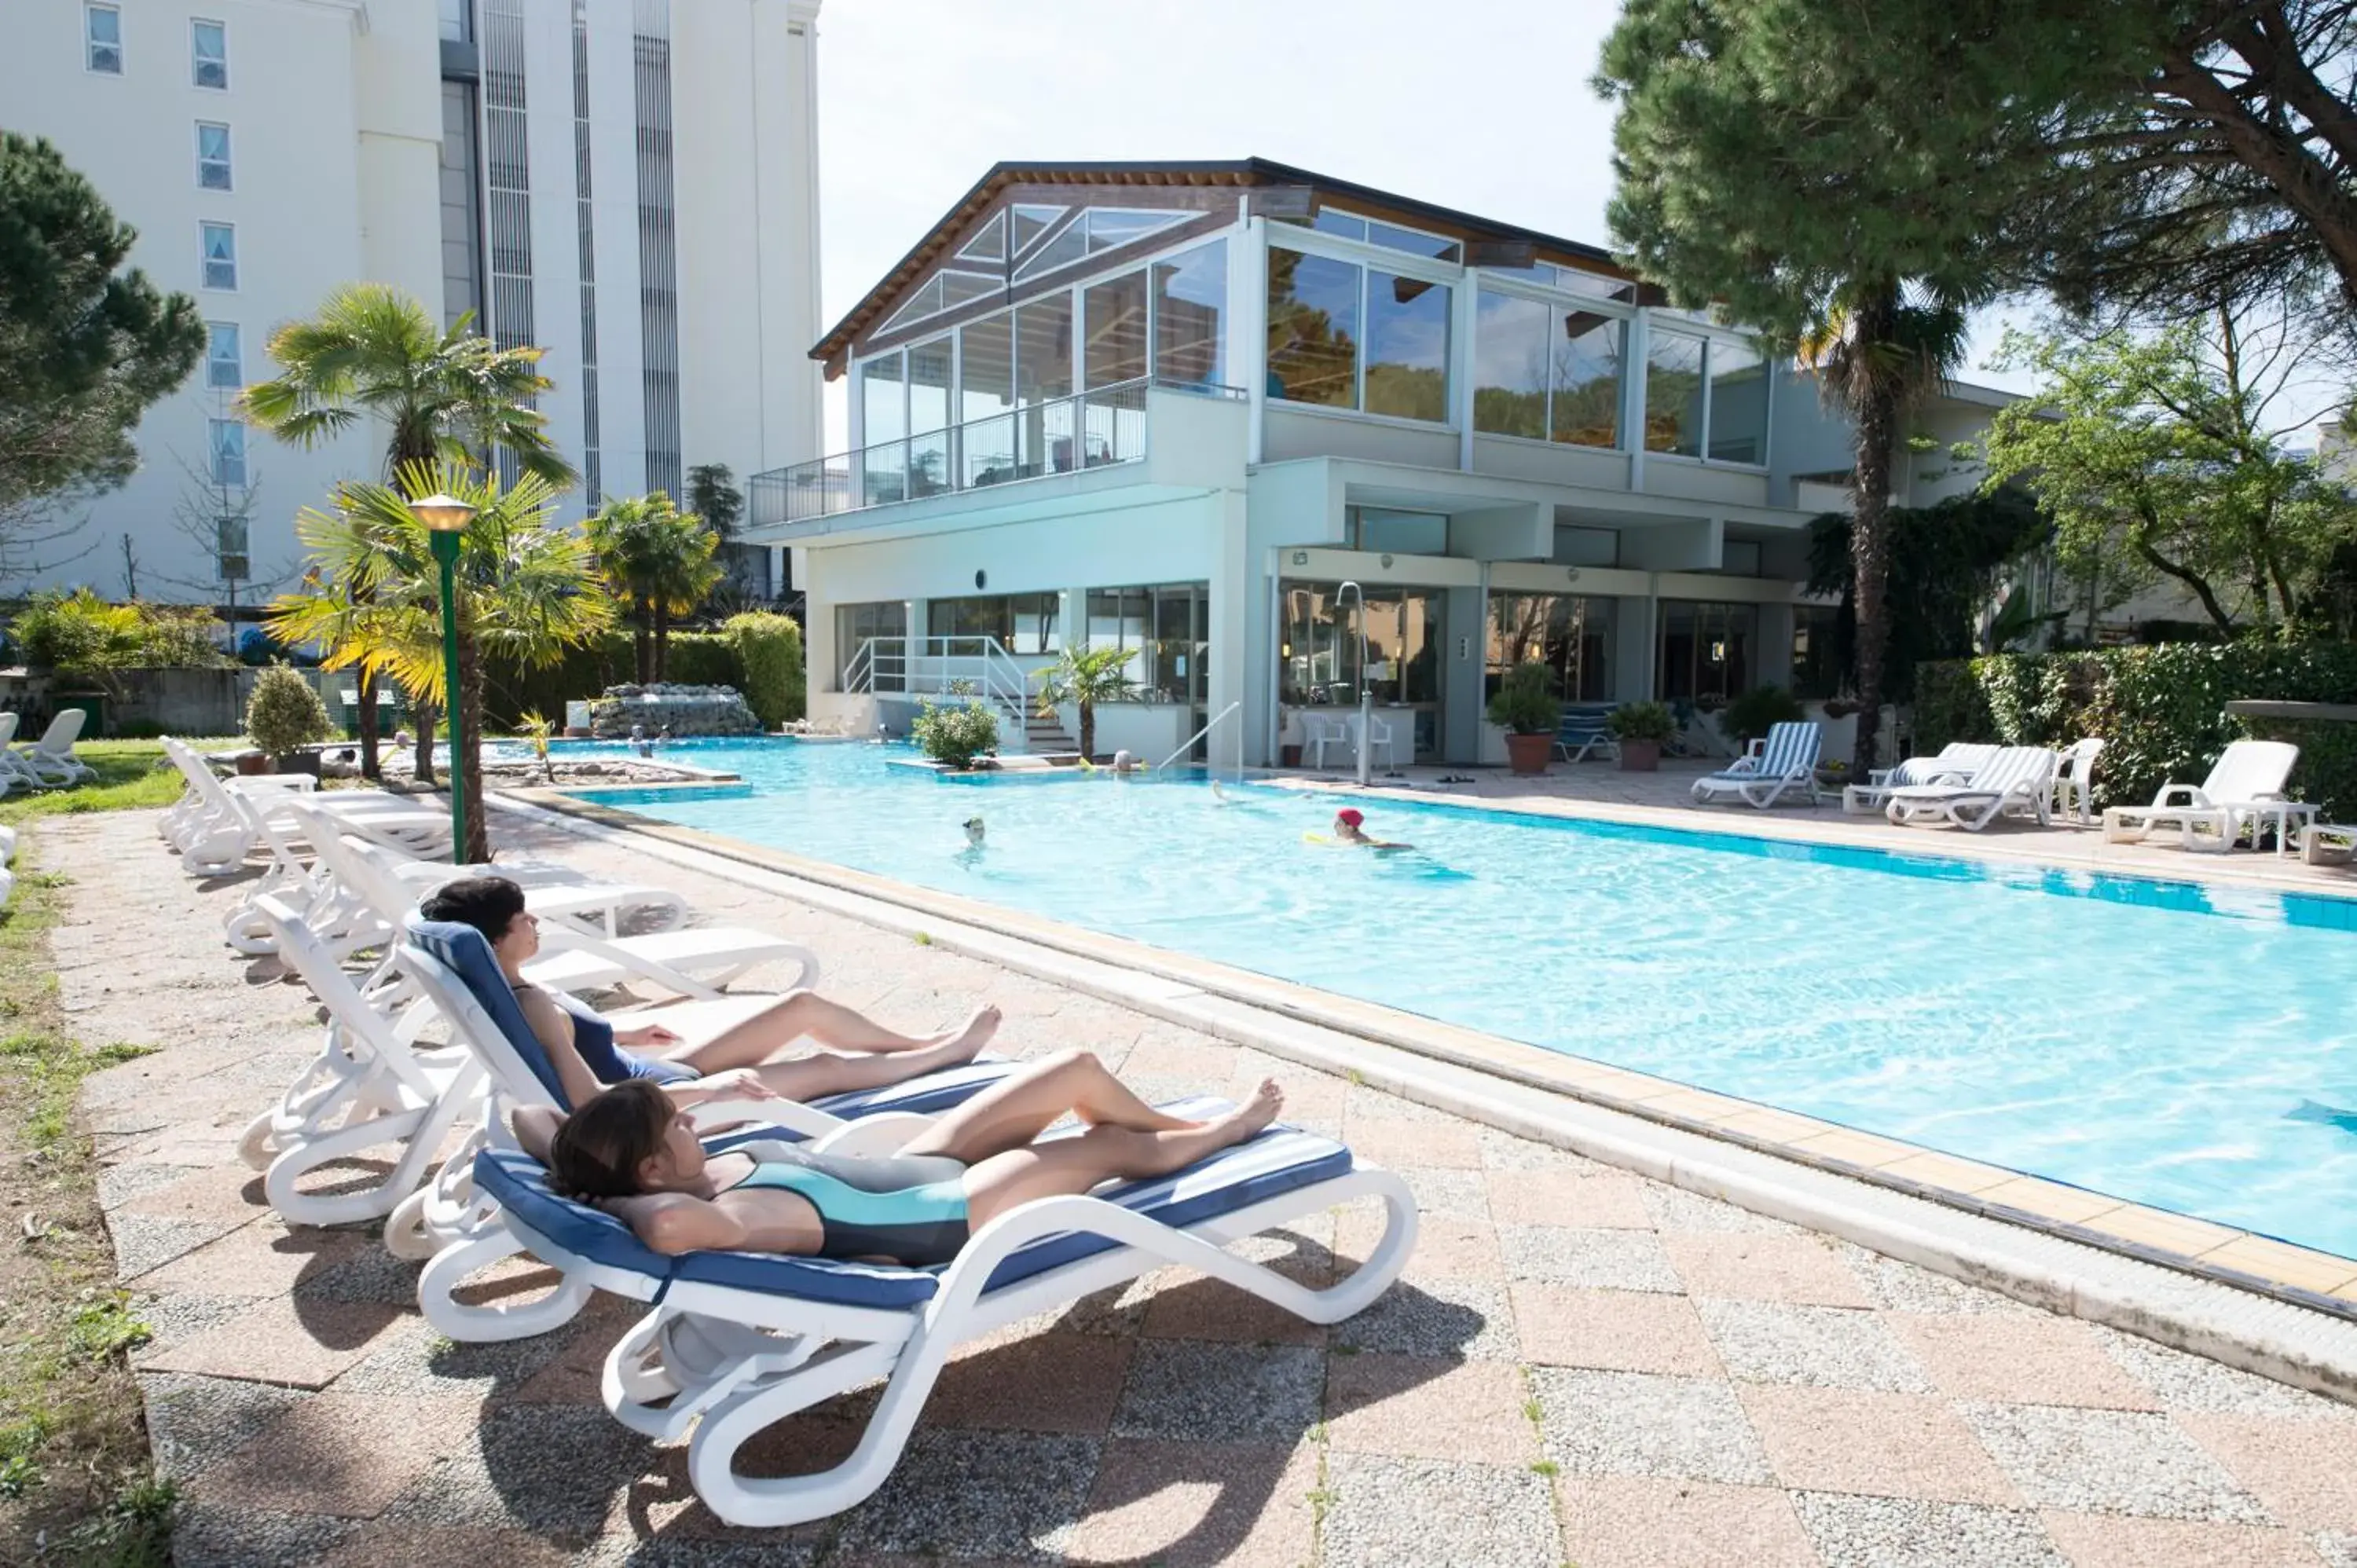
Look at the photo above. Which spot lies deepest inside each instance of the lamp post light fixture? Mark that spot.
(446, 517)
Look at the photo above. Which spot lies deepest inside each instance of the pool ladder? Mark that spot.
(1188, 744)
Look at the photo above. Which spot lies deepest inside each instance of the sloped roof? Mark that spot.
(1244, 173)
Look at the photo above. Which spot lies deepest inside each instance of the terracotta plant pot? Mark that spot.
(253, 763)
(1289, 756)
(1527, 754)
(1641, 756)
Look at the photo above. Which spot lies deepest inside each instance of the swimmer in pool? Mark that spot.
(1347, 830)
(974, 833)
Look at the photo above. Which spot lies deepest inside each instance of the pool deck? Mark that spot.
(1583, 1364)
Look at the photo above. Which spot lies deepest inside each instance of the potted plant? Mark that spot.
(1085, 677)
(955, 734)
(1527, 708)
(285, 715)
(1640, 728)
(1750, 716)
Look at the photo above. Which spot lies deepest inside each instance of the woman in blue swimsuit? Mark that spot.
(635, 1153)
(749, 1060)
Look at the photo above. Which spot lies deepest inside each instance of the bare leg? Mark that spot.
(1012, 1112)
(834, 1072)
(1065, 1166)
(766, 1034)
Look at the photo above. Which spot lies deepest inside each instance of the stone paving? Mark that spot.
(1581, 1366)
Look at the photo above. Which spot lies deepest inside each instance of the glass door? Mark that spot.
(1324, 663)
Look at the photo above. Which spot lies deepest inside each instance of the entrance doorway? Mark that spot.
(1321, 669)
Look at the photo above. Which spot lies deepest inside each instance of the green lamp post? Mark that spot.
(446, 517)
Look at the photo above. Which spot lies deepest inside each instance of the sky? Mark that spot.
(1481, 106)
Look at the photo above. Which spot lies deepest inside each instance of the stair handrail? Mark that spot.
(859, 671)
(1188, 744)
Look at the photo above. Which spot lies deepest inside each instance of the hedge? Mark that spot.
(758, 658)
(2160, 711)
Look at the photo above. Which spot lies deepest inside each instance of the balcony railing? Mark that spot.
(1093, 429)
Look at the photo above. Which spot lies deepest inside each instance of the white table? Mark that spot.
(2217, 829)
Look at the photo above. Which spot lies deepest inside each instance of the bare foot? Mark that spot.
(1249, 1119)
(968, 1038)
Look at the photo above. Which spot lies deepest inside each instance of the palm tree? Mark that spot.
(1877, 350)
(1085, 677)
(449, 395)
(659, 561)
(526, 591)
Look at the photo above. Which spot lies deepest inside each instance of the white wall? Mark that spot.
(315, 187)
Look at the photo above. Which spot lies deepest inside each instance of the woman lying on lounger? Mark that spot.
(634, 1153)
(749, 1060)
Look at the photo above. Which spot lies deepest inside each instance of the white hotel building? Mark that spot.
(629, 183)
(1176, 407)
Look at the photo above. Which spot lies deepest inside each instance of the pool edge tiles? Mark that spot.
(2248, 1260)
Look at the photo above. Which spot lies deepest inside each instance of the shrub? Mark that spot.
(284, 714)
(1526, 701)
(2160, 711)
(1752, 715)
(82, 634)
(954, 734)
(701, 659)
(1641, 721)
(770, 653)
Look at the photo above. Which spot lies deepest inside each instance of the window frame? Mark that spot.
(1683, 325)
(1373, 223)
(89, 44)
(1368, 258)
(197, 61)
(204, 261)
(237, 336)
(213, 427)
(228, 160)
(1483, 280)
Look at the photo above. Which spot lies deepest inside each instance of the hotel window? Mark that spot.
(1381, 531)
(1190, 316)
(1546, 373)
(459, 21)
(1569, 634)
(1113, 334)
(854, 625)
(1706, 398)
(208, 54)
(987, 446)
(212, 155)
(1164, 631)
(1315, 307)
(225, 440)
(1817, 642)
(1706, 650)
(219, 242)
(1390, 236)
(224, 358)
(102, 35)
(1022, 623)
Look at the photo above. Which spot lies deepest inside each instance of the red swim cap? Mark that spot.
(1349, 814)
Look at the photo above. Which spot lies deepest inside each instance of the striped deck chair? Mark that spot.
(1586, 728)
(1785, 760)
(463, 1225)
(739, 1341)
(2018, 777)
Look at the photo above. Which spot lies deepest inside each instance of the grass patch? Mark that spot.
(132, 775)
(76, 1485)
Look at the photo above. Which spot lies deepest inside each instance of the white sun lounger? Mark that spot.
(2017, 777)
(461, 1228)
(2074, 781)
(2247, 772)
(1956, 763)
(738, 1341)
(1786, 760)
(50, 760)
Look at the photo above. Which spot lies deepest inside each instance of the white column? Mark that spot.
(1233, 647)
(1248, 323)
(1463, 315)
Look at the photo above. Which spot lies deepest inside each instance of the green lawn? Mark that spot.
(131, 774)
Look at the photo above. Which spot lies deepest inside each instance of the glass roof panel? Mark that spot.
(989, 244)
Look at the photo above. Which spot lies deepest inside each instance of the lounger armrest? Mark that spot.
(2169, 793)
(556, 936)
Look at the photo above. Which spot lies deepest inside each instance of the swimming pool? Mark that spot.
(2192, 1049)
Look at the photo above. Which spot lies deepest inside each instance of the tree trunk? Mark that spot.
(639, 646)
(370, 767)
(663, 639)
(467, 764)
(1870, 535)
(423, 715)
(1089, 731)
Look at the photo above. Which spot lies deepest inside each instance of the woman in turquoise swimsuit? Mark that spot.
(633, 1152)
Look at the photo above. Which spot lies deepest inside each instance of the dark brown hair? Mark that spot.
(598, 1150)
(489, 904)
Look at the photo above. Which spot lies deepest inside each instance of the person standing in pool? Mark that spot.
(1347, 830)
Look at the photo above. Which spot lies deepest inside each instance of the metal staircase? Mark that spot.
(953, 667)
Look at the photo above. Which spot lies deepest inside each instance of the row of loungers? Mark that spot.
(424, 1038)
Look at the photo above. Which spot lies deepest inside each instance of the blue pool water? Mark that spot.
(2189, 1047)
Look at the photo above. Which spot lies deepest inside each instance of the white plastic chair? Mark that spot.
(2019, 778)
(2247, 772)
(2074, 781)
(1319, 731)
